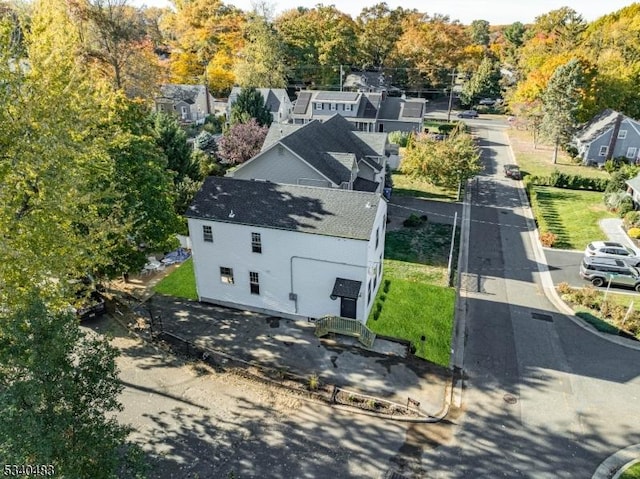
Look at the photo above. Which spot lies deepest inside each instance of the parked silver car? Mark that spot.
(602, 271)
(611, 249)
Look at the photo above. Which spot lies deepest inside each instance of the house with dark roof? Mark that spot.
(608, 135)
(402, 114)
(287, 250)
(367, 111)
(276, 100)
(190, 103)
(329, 154)
(359, 108)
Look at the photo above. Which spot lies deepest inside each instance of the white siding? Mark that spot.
(291, 262)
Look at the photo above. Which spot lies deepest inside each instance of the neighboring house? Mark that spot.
(329, 154)
(373, 82)
(190, 103)
(633, 188)
(275, 99)
(288, 250)
(608, 135)
(359, 108)
(370, 112)
(402, 114)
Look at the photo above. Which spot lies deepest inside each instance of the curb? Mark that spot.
(545, 276)
(613, 466)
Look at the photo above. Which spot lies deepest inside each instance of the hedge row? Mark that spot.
(558, 179)
(543, 227)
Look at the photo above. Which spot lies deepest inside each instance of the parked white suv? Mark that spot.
(611, 249)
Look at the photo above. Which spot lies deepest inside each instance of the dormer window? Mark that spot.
(334, 107)
(347, 107)
(317, 106)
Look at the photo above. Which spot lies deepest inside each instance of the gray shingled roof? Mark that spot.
(186, 93)
(278, 131)
(595, 127)
(314, 140)
(346, 288)
(272, 97)
(392, 109)
(634, 183)
(362, 184)
(306, 209)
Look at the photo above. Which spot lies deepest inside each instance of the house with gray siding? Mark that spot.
(276, 100)
(190, 103)
(328, 154)
(608, 135)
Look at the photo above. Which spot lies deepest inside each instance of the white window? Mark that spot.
(334, 107)
(347, 107)
(226, 275)
(184, 112)
(631, 152)
(317, 106)
(256, 243)
(254, 282)
(207, 234)
(603, 150)
(622, 134)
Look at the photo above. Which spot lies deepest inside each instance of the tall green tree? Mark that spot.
(445, 163)
(262, 60)
(58, 393)
(379, 28)
(479, 32)
(562, 101)
(485, 82)
(250, 104)
(172, 140)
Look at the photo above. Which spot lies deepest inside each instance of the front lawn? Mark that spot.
(405, 185)
(181, 283)
(414, 302)
(572, 215)
(539, 161)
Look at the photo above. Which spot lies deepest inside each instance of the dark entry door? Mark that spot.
(348, 308)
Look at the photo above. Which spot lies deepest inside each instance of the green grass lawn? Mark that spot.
(405, 185)
(414, 300)
(572, 215)
(414, 310)
(539, 161)
(632, 473)
(181, 283)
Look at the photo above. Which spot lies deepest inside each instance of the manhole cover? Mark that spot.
(510, 399)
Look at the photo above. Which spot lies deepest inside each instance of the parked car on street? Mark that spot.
(468, 114)
(612, 249)
(602, 271)
(512, 171)
(487, 102)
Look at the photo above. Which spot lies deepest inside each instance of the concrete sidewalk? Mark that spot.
(388, 371)
(612, 227)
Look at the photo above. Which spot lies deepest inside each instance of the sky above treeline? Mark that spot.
(496, 12)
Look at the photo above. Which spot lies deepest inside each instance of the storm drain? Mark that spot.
(542, 317)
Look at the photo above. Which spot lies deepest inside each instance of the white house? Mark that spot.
(288, 250)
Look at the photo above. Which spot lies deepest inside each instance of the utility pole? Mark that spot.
(453, 79)
(341, 73)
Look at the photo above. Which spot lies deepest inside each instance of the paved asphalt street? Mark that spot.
(543, 397)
